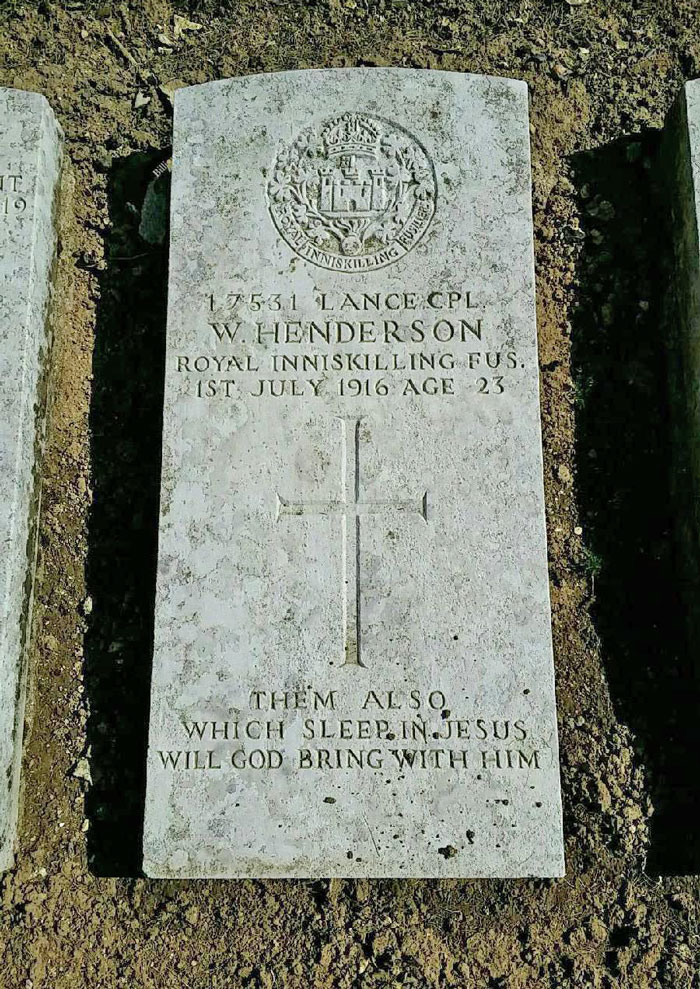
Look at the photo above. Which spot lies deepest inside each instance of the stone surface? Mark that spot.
(353, 668)
(30, 143)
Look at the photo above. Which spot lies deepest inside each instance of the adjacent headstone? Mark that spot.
(30, 148)
(679, 176)
(353, 666)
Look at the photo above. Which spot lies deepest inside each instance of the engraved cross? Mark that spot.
(351, 508)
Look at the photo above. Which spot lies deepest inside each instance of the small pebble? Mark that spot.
(565, 475)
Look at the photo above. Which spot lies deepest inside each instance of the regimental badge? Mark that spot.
(355, 193)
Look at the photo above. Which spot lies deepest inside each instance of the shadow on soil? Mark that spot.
(125, 424)
(624, 469)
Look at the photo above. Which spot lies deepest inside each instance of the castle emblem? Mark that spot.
(355, 193)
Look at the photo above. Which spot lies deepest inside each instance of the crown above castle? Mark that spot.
(351, 135)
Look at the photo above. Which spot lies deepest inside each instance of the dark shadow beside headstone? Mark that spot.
(625, 480)
(125, 426)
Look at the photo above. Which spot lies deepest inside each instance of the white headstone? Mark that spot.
(30, 144)
(679, 174)
(353, 666)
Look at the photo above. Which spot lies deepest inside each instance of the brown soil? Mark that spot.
(602, 77)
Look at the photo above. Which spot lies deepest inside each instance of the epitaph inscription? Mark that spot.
(352, 670)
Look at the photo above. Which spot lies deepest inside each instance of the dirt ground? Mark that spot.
(75, 912)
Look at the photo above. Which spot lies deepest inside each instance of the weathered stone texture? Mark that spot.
(30, 147)
(352, 538)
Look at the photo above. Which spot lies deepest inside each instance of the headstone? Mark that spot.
(679, 176)
(353, 665)
(30, 148)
